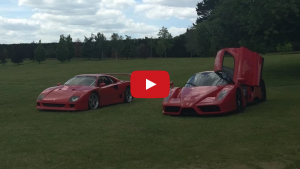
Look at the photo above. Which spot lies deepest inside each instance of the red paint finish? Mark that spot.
(247, 79)
(57, 98)
(248, 64)
(194, 97)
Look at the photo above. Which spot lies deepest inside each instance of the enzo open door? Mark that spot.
(246, 64)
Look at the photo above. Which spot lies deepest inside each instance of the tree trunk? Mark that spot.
(102, 54)
(191, 54)
(116, 55)
(166, 53)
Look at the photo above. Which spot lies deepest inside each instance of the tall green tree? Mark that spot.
(129, 47)
(160, 47)
(166, 38)
(117, 43)
(151, 44)
(257, 25)
(71, 47)
(32, 47)
(191, 41)
(101, 44)
(3, 56)
(16, 54)
(78, 48)
(40, 53)
(62, 51)
(142, 51)
(204, 9)
(88, 47)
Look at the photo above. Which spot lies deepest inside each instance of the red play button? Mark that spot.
(150, 84)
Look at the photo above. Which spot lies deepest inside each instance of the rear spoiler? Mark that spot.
(128, 74)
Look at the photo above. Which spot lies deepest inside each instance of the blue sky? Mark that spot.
(24, 21)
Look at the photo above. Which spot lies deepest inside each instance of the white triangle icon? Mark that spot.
(149, 84)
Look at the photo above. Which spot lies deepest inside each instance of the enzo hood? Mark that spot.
(192, 95)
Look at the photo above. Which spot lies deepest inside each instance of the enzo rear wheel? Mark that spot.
(93, 101)
(239, 101)
(263, 91)
(128, 97)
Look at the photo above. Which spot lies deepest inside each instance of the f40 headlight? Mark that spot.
(222, 94)
(73, 98)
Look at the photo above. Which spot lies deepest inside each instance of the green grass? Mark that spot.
(137, 135)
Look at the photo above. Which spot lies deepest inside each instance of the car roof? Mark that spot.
(93, 75)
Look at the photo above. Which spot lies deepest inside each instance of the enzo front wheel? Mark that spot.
(239, 101)
(128, 97)
(93, 101)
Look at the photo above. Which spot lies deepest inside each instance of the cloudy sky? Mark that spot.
(24, 21)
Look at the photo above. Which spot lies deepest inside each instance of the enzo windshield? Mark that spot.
(82, 81)
(205, 79)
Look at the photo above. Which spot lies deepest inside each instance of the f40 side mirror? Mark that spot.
(58, 84)
(102, 84)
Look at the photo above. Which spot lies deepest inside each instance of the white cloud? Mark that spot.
(118, 4)
(177, 31)
(165, 12)
(50, 18)
(173, 3)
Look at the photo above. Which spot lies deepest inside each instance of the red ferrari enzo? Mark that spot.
(235, 82)
(87, 91)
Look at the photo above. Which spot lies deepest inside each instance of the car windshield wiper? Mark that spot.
(191, 84)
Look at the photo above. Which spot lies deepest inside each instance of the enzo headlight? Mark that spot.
(73, 98)
(222, 94)
(167, 98)
(40, 97)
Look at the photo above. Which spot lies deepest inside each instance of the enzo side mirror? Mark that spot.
(102, 84)
(172, 84)
(58, 84)
(241, 80)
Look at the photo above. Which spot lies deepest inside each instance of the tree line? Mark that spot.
(261, 26)
(97, 46)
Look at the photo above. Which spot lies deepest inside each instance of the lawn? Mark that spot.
(138, 135)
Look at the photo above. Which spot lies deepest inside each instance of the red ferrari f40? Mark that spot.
(86, 91)
(235, 82)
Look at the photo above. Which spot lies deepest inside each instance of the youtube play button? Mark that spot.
(150, 84)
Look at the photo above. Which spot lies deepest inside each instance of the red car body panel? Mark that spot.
(248, 65)
(203, 100)
(57, 98)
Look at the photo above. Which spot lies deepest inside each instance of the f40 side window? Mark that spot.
(104, 79)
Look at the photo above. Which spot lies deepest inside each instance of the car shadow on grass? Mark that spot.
(217, 115)
(79, 111)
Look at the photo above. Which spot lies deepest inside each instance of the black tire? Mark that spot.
(128, 97)
(263, 91)
(93, 101)
(239, 101)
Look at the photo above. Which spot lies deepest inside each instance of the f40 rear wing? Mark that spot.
(128, 74)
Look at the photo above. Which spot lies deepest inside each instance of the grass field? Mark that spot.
(137, 135)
